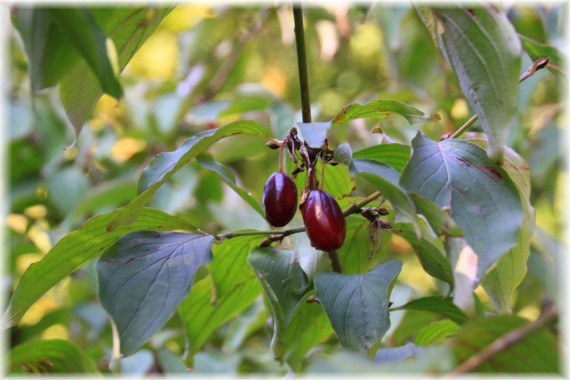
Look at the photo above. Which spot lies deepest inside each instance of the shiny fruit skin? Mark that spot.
(279, 199)
(324, 221)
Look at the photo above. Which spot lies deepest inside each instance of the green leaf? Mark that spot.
(76, 249)
(285, 285)
(439, 220)
(528, 22)
(481, 197)
(282, 278)
(164, 165)
(430, 252)
(537, 50)
(343, 154)
(387, 179)
(79, 26)
(338, 181)
(357, 305)
(356, 248)
(49, 356)
(309, 327)
(50, 54)
(207, 161)
(66, 187)
(110, 193)
(438, 305)
(412, 322)
(484, 51)
(537, 352)
(128, 28)
(144, 276)
(395, 155)
(229, 289)
(436, 332)
(501, 281)
(170, 362)
(379, 109)
(313, 134)
(311, 260)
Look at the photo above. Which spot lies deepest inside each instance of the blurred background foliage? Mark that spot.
(208, 65)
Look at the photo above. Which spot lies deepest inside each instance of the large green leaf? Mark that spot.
(502, 280)
(207, 161)
(49, 356)
(50, 54)
(438, 305)
(285, 285)
(357, 305)
(128, 28)
(395, 155)
(482, 199)
(338, 181)
(309, 327)
(484, 51)
(164, 165)
(79, 27)
(537, 352)
(430, 251)
(439, 220)
(356, 248)
(76, 249)
(436, 332)
(379, 109)
(144, 276)
(229, 289)
(282, 278)
(387, 179)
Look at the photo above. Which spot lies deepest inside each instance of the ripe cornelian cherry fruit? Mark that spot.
(279, 199)
(324, 221)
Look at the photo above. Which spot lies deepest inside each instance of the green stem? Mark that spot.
(464, 127)
(302, 63)
(540, 63)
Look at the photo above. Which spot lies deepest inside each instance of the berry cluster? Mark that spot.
(322, 216)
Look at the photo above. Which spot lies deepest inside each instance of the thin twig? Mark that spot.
(302, 63)
(228, 64)
(504, 342)
(465, 126)
(540, 63)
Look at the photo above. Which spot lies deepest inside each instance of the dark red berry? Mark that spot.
(279, 199)
(324, 221)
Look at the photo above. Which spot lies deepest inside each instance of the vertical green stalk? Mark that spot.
(304, 85)
(302, 63)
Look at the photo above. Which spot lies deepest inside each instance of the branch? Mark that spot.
(224, 70)
(302, 63)
(540, 63)
(504, 342)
